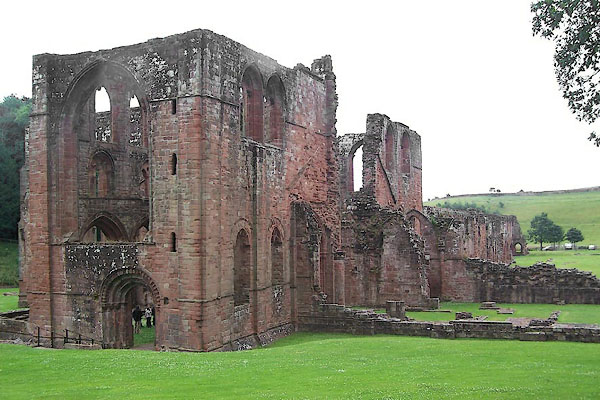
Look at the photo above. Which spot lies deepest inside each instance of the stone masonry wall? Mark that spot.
(199, 161)
(539, 283)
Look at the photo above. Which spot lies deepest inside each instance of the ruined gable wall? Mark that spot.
(466, 234)
(384, 258)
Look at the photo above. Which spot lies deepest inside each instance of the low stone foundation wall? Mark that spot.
(14, 329)
(340, 319)
(539, 283)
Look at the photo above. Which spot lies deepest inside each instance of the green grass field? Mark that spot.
(9, 261)
(579, 210)
(584, 260)
(8, 303)
(312, 366)
(574, 313)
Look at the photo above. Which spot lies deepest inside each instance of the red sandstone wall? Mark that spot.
(223, 183)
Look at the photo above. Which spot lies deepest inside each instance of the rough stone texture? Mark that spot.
(452, 236)
(540, 283)
(224, 199)
(224, 140)
(337, 318)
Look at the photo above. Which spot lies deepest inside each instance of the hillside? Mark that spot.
(579, 209)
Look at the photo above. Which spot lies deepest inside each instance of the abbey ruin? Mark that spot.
(217, 188)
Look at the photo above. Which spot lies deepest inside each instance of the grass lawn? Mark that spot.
(575, 313)
(585, 260)
(8, 303)
(579, 210)
(9, 263)
(145, 336)
(313, 366)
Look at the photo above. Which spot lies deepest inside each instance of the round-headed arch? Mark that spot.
(119, 282)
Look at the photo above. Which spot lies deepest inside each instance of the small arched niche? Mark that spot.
(100, 175)
(241, 269)
(276, 258)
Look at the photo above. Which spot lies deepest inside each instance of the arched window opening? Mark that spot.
(103, 119)
(174, 164)
(134, 102)
(100, 173)
(518, 248)
(135, 117)
(241, 269)
(145, 180)
(357, 168)
(389, 149)
(173, 242)
(276, 258)
(102, 230)
(405, 166)
(251, 105)
(275, 110)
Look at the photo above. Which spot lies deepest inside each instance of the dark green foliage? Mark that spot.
(556, 233)
(465, 206)
(14, 117)
(574, 235)
(574, 26)
(9, 263)
(544, 230)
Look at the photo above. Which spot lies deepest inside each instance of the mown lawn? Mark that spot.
(312, 366)
(9, 263)
(579, 210)
(8, 303)
(584, 260)
(574, 313)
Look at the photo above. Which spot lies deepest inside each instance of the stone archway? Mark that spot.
(118, 292)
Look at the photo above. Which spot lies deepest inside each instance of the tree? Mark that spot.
(574, 235)
(544, 230)
(14, 117)
(556, 234)
(574, 25)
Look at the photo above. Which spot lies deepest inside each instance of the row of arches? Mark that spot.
(101, 175)
(394, 162)
(242, 264)
(104, 119)
(105, 227)
(262, 108)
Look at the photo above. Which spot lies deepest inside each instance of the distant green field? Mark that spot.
(574, 313)
(580, 210)
(9, 263)
(8, 303)
(312, 366)
(584, 260)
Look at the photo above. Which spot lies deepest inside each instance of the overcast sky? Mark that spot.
(468, 76)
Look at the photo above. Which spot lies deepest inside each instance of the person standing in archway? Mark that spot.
(137, 318)
(148, 316)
